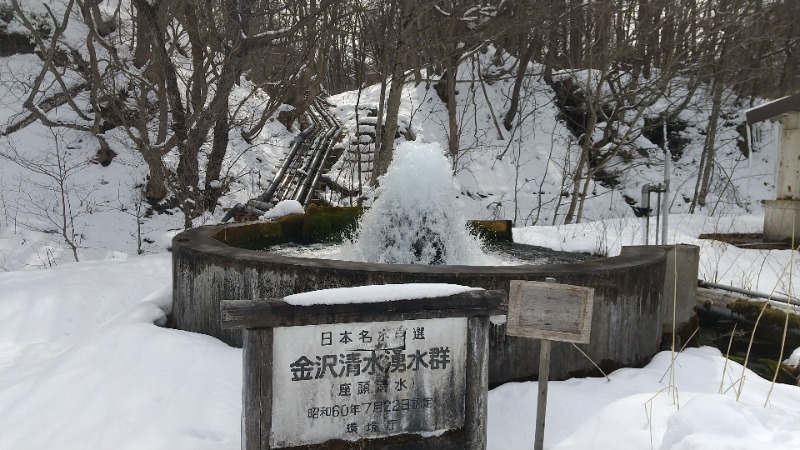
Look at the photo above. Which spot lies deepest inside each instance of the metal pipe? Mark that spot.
(667, 170)
(658, 209)
(232, 212)
(279, 175)
(329, 144)
(645, 208)
(263, 206)
(293, 184)
(320, 149)
(774, 297)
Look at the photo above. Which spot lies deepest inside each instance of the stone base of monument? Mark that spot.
(392, 366)
(781, 220)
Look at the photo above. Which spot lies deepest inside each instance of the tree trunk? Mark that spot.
(143, 50)
(586, 147)
(379, 126)
(384, 157)
(576, 185)
(219, 148)
(215, 114)
(576, 30)
(155, 189)
(198, 78)
(644, 25)
(522, 70)
(706, 170)
(452, 108)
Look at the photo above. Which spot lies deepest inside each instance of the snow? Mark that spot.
(376, 293)
(85, 362)
(778, 270)
(642, 408)
(84, 365)
(794, 359)
(283, 208)
(81, 351)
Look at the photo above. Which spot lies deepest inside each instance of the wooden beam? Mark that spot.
(270, 313)
(541, 399)
(477, 396)
(773, 109)
(257, 389)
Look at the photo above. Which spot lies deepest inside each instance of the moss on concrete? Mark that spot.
(766, 368)
(330, 224)
(686, 335)
(317, 224)
(492, 230)
(261, 235)
(772, 316)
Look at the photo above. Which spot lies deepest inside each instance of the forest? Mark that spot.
(176, 80)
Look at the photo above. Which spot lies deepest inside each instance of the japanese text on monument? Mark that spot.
(367, 380)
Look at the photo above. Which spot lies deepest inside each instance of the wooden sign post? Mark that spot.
(400, 374)
(549, 312)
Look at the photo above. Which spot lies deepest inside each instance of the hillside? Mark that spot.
(525, 174)
(70, 190)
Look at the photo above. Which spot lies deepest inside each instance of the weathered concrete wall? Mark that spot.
(626, 324)
(781, 220)
(782, 216)
(787, 185)
(680, 285)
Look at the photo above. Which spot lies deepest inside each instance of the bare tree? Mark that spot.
(54, 201)
(161, 107)
(159, 74)
(400, 18)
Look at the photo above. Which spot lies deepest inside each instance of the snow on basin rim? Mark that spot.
(376, 293)
(283, 208)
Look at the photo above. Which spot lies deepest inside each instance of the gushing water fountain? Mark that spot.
(415, 218)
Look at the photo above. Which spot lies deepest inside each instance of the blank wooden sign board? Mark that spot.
(550, 312)
(546, 310)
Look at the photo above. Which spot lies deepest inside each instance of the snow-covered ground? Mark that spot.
(85, 364)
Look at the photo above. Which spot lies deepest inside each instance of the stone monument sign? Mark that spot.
(409, 373)
(369, 379)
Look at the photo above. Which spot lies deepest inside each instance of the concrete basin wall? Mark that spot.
(626, 320)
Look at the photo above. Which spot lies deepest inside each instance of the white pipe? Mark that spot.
(773, 297)
(665, 206)
(645, 208)
(749, 156)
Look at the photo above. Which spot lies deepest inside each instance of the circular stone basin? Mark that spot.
(499, 253)
(626, 321)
